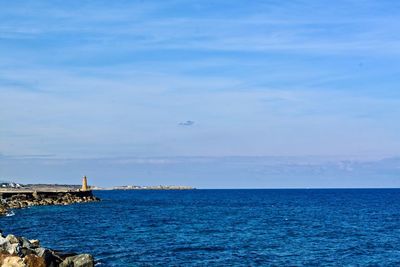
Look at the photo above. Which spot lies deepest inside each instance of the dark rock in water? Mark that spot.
(21, 252)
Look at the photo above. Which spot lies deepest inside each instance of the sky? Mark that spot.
(211, 94)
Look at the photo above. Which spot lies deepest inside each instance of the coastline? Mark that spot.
(137, 187)
(22, 252)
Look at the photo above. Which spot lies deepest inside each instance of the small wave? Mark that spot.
(10, 213)
(182, 249)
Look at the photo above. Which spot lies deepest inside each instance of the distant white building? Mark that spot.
(10, 185)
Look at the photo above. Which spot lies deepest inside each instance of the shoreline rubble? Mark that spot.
(22, 252)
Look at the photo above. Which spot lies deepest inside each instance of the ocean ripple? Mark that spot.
(223, 227)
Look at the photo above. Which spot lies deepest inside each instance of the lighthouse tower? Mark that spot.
(84, 184)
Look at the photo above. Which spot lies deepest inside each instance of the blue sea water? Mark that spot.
(223, 227)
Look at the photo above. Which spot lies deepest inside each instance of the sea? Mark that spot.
(314, 227)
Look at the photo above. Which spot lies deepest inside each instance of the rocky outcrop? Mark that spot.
(83, 260)
(21, 252)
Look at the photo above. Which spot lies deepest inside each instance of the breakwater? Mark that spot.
(21, 199)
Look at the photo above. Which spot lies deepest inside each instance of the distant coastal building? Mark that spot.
(9, 185)
(84, 184)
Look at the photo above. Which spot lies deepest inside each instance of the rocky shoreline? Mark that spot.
(22, 252)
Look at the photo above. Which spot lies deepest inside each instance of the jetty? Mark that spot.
(46, 190)
(22, 196)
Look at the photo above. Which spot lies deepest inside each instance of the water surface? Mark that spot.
(223, 227)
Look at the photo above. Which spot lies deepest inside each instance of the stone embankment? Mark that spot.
(21, 252)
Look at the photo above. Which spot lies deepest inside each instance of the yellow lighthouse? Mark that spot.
(84, 184)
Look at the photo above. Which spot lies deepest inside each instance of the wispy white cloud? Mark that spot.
(147, 26)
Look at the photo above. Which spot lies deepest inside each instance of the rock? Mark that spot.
(50, 258)
(13, 249)
(3, 255)
(12, 239)
(11, 244)
(34, 243)
(36, 195)
(82, 260)
(3, 241)
(3, 209)
(21, 252)
(25, 243)
(13, 261)
(34, 261)
(40, 252)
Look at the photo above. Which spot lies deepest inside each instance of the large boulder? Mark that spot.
(82, 260)
(3, 255)
(13, 261)
(12, 239)
(34, 261)
(48, 256)
(10, 244)
(13, 249)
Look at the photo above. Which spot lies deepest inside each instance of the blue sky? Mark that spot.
(84, 84)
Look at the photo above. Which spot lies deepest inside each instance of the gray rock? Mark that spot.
(12, 239)
(82, 260)
(34, 243)
(13, 249)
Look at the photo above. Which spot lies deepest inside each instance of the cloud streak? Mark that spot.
(136, 27)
